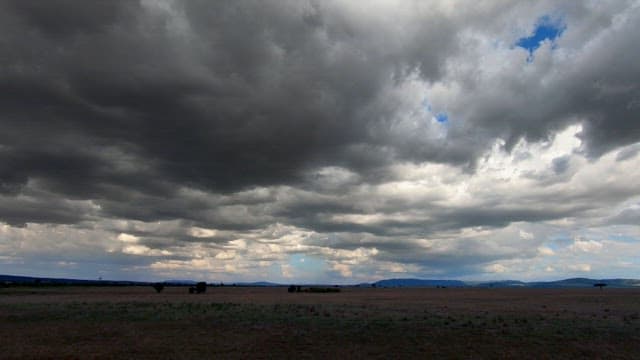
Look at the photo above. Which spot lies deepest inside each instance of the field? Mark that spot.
(238, 322)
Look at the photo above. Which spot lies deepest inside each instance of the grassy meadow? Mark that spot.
(237, 322)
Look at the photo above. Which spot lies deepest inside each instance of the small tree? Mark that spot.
(600, 285)
(159, 287)
(201, 287)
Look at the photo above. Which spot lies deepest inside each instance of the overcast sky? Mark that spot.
(320, 141)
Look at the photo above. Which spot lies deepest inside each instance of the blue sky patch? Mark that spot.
(546, 29)
(624, 238)
(442, 117)
(306, 265)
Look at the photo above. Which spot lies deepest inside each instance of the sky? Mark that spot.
(320, 141)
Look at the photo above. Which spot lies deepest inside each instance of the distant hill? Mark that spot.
(31, 280)
(566, 283)
(386, 283)
(585, 282)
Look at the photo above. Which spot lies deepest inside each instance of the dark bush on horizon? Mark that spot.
(159, 287)
(322, 290)
(200, 288)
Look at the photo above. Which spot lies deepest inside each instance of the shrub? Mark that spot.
(323, 290)
(200, 288)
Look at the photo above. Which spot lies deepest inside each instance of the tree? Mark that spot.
(159, 287)
(200, 288)
(600, 285)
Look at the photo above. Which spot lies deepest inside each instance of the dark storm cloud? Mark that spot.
(247, 94)
(252, 94)
(66, 17)
(126, 104)
(19, 211)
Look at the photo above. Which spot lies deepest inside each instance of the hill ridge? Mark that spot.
(576, 282)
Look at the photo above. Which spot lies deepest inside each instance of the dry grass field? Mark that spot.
(357, 323)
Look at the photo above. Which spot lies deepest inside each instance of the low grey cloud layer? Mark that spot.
(318, 140)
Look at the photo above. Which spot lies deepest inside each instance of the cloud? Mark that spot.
(586, 246)
(580, 267)
(185, 138)
(546, 251)
(496, 268)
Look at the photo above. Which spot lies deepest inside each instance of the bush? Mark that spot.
(323, 290)
(200, 288)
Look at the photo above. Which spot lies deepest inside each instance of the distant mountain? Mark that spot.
(623, 282)
(566, 283)
(15, 279)
(32, 280)
(419, 283)
(585, 282)
(388, 283)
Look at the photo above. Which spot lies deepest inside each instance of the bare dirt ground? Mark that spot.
(239, 322)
